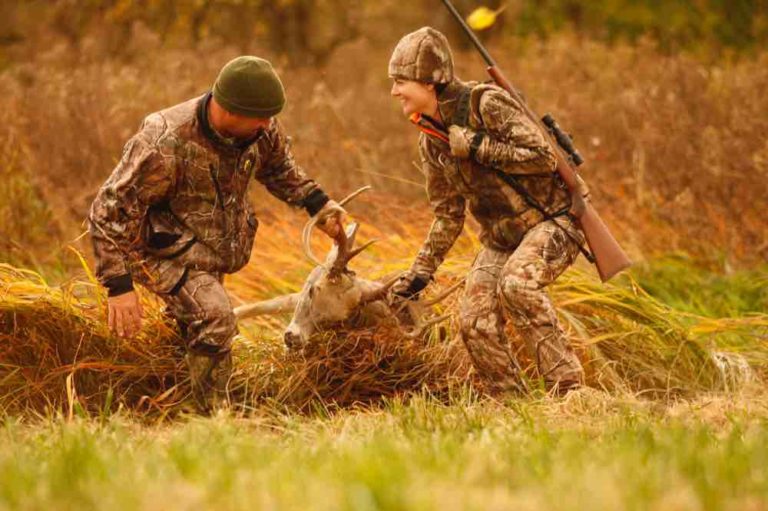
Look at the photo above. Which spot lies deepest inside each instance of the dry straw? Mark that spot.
(56, 354)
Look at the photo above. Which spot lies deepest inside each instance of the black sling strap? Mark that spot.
(461, 118)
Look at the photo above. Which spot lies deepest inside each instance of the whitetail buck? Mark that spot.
(333, 296)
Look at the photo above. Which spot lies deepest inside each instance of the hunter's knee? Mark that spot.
(213, 331)
(517, 290)
(479, 323)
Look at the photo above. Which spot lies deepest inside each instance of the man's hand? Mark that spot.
(331, 219)
(124, 314)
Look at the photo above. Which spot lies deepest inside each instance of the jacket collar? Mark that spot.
(212, 135)
(447, 102)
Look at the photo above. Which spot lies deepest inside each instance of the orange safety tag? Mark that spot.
(415, 118)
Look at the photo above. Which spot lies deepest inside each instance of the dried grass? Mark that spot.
(57, 355)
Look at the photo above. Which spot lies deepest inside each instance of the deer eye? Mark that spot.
(311, 291)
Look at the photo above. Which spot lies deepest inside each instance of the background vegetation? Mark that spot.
(666, 101)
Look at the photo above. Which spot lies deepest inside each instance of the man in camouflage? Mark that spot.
(174, 214)
(478, 149)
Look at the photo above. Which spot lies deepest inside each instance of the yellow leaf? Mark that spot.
(482, 17)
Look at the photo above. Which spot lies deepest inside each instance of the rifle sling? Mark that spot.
(461, 118)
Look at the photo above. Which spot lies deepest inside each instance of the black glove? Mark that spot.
(409, 287)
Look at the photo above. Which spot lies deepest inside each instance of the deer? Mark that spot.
(333, 296)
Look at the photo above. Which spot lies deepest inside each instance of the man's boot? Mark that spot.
(209, 377)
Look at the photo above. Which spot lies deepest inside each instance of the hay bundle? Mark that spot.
(341, 369)
(56, 353)
(55, 350)
(634, 342)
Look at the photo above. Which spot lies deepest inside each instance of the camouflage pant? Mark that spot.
(203, 311)
(514, 282)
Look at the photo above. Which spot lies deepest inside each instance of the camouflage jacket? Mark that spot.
(178, 199)
(516, 146)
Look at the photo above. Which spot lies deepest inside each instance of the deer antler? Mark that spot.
(341, 239)
(377, 290)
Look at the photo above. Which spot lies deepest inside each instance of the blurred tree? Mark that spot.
(307, 31)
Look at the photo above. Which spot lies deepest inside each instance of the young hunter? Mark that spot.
(174, 215)
(470, 134)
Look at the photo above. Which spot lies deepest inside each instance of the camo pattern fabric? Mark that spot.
(511, 284)
(424, 56)
(203, 312)
(178, 198)
(513, 144)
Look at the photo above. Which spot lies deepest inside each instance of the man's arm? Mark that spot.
(285, 179)
(140, 179)
(509, 140)
(448, 206)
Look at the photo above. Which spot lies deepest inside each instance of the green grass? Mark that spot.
(587, 452)
(692, 286)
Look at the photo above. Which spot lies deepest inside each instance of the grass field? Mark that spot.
(587, 451)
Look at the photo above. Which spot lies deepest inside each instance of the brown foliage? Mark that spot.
(675, 153)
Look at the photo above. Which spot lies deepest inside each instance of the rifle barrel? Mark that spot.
(471, 33)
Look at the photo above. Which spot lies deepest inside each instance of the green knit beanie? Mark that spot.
(249, 86)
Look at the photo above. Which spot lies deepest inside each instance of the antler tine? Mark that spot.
(352, 254)
(306, 234)
(354, 194)
(306, 237)
(379, 289)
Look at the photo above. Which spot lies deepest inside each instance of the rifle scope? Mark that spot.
(563, 139)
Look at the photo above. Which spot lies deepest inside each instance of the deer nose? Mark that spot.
(293, 339)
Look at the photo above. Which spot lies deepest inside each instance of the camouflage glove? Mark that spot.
(464, 142)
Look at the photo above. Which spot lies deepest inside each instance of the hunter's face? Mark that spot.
(242, 127)
(415, 97)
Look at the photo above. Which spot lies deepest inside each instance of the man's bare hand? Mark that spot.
(331, 219)
(124, 314)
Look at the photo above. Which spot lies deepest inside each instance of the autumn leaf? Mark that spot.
(483, 17)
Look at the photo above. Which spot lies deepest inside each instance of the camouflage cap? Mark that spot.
(424, 56)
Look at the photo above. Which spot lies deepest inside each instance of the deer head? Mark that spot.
(331, 294)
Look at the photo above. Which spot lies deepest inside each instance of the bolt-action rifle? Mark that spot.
(609, 257)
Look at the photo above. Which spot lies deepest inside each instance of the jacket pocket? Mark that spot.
(164, 236)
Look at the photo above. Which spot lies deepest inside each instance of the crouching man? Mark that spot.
(174, 214)
(478, 149)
